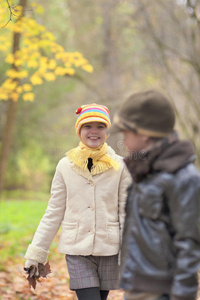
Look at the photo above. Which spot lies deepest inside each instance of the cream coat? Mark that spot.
(89, 209)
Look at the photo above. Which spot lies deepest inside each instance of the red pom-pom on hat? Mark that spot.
(79, 110)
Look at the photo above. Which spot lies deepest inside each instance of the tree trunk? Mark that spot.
(7, 140)
(110, 80)
(110, 75)
(11, 116)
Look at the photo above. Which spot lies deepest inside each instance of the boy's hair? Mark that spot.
(149, 113)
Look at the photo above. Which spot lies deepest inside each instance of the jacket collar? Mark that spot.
(167, 155)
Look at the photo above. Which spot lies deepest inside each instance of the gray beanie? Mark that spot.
(148, 112)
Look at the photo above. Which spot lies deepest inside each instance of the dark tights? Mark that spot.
(91, 294)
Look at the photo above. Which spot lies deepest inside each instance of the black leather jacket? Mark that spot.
(161, 242)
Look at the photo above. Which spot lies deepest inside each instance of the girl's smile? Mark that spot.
(93, 134)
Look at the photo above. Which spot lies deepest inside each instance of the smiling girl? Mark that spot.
(87, 200)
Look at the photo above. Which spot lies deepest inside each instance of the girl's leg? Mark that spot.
(89, 294)
(104, 294)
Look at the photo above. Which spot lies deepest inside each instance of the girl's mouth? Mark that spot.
(93, 137)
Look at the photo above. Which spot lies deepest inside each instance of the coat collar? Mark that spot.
(86, 174)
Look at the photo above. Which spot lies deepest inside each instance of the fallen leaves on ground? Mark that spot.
(14, 285)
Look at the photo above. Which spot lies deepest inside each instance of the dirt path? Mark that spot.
(14, 285)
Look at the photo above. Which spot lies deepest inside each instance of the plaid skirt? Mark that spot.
(93, 271)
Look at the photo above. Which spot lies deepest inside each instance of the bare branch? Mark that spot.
(162, 48)
(193, 10)
(11, 9)
(10, 19)
(182, 58)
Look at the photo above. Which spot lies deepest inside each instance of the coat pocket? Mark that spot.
(150, 203)
(69, 232)
(112, 229)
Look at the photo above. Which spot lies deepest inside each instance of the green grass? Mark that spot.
(24, 195)
(18, 222)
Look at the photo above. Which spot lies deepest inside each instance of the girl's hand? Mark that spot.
(36, 270)
(30, 263)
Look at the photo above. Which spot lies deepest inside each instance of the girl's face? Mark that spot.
(93, 134)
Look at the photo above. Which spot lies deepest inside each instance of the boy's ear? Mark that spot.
(146, 139)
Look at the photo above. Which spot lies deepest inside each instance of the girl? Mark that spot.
(87, 200)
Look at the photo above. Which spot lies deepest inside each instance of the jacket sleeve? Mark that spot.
(50, 222)
(125, 181)
(184, 204)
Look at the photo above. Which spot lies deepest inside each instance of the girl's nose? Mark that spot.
(94, 130)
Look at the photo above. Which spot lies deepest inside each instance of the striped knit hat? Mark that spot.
(92, 113)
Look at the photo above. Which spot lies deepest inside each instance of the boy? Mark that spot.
(161, 242)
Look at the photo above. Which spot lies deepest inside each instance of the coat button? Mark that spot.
(91, 182)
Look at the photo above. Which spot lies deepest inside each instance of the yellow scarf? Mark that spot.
(101, 161)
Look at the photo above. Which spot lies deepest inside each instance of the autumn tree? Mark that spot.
(110, 38)
(34, 57)
(171, 30)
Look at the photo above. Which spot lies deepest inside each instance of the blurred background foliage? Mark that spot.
(131, 45)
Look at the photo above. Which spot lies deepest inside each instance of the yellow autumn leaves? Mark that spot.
(11, 90)
(39, 59)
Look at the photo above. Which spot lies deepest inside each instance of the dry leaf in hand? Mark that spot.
(31, 275)
(43, 270)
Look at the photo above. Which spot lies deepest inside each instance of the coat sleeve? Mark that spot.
(184, 204)
(50, 222)
(125, 181)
